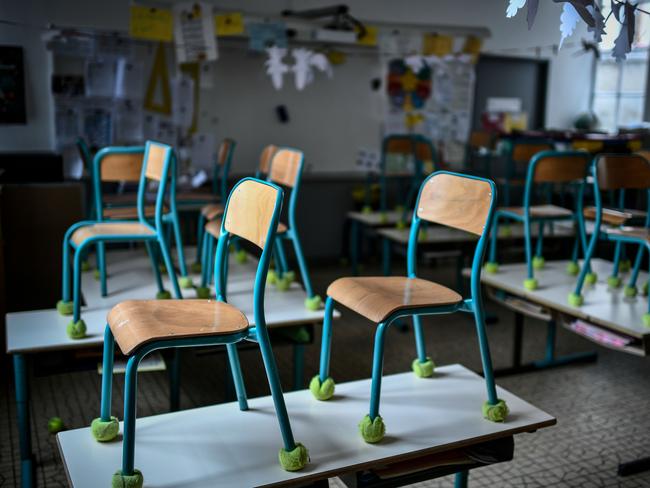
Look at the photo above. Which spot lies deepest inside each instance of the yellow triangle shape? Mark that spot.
(159, 83)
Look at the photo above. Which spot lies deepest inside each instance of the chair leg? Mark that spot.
(573, 268)
(185, 281)
(646, 316)
(313, 302)
(423, 366)
(169, 265)
(538, 259)
(199, 241)
(530, 283)
(203, 291)
(76, 329)
(293, 456)
(631, 289)
(614, 280)
(492, 266)
(461, 478)
(238, 380)
(153, 257)
(101, 264)
(372, 426)
(322, 385)
(576, 299)
(65, 305)
(106, 427)
(129, 476)
(494, 409)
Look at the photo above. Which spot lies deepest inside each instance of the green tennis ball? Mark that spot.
(97, 275)
(625, 265)
(185, 282)
(85, 265)
(289, 275)
(530, 284)
(538, 262)
(314, 303)
(423, 369)
(630, 291)
(495, 413)
(383, 218)
(195, 268)
(294, 460)
(241, 257)
(613, 281)
(372, 431)
(119, 480)
(105, 431)
(591, 278)
(367, 209)
(492, 267)
(322, 390)
(271, 277)
(573, 268)
(55, 425)
(646, 319)
(163, 295)
(283, 284)
(64, 308)
(505, 231)
(644, 289)
(575, 300)
(76, 330)
(203, 292)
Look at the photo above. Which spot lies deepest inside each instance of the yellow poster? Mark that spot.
(370, 37)
(230, 24)
(153, 24)
(437, 45)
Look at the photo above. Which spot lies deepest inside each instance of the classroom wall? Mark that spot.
(330, 119)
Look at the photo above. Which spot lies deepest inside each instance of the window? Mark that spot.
(619, 88)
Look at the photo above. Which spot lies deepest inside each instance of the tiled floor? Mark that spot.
(603, 409)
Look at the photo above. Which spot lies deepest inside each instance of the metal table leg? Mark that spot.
(24, 427)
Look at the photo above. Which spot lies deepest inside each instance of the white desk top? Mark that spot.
(602, 305)
(374, 219)
(222, 446)
(437, 234)
(131, 277)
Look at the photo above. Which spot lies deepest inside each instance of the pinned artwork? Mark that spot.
(266, 35)
(100, 78)
(183, 101)
(369, 37)
(589, 11)
(128, 80)
(152, 24)
(229, 24)
(305, 61)
(128, 127)
(408, 89)
(194, 32)
(275, 67)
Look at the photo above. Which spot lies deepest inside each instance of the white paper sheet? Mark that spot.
(129, 80)
(194, 32)
(182, 101)
(100, 78)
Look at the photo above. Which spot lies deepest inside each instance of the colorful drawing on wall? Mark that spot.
(408, 90)
(12, 86)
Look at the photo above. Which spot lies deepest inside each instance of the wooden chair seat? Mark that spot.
(546, 211)
(212, 210)
(613, 216)
(136, 322)
(110, 229)
(213, 228)
(126, 213)
(197, 195)
(639, 232)
(377, 297)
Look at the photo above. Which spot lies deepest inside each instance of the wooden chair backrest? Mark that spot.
(456, 201)
(224, 149)
(404, 145)
(250, 209)
(557, 167)
(121, 167)
(157, 157)
(285, 167)
(523, 152)
(266, 157)
(623, 171)
(479, 138)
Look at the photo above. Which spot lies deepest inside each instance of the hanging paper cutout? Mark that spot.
(305, 62)
(194, 32)
(514, 6)
(159, 81)
(230, 24)
(568, 21)
(153, 24)
(263, 36)
(275, 67)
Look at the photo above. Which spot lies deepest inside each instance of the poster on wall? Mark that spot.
(12, 86)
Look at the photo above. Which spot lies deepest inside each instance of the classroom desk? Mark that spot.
(361, 223)
(607, 309)
(222, 446)
(131, 277)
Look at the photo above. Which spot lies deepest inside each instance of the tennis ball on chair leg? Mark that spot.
(573, 268)
(492, 267)
(64, 308)
(195, 267)
(530, 284)
(76, 330)
(294, 460)
(423, 369)
(322, 390)
(575, 299)
(135, 480)
(271, 277)
(163, 295)
(613, 281)
(591, 278)
(646, 319)
(203, 292)
(185, 282)
(85, 265)
(372, 431)
(538, 262)
(105, 430)
(495, 413)
(283, 284)
(314, 303)
(367, 209)
(630, 291)
(625, 265)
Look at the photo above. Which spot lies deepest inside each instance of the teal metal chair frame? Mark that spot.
(587, 275)
(257, 333)
(512, 164)
(220, 174)
(77, 327)
(526, 217)
(494, 408)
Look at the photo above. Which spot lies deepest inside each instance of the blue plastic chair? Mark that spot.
(455, 200)
(546, 169)
(617, 173)
(211, 204)
(158, 162)
(252, 213)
